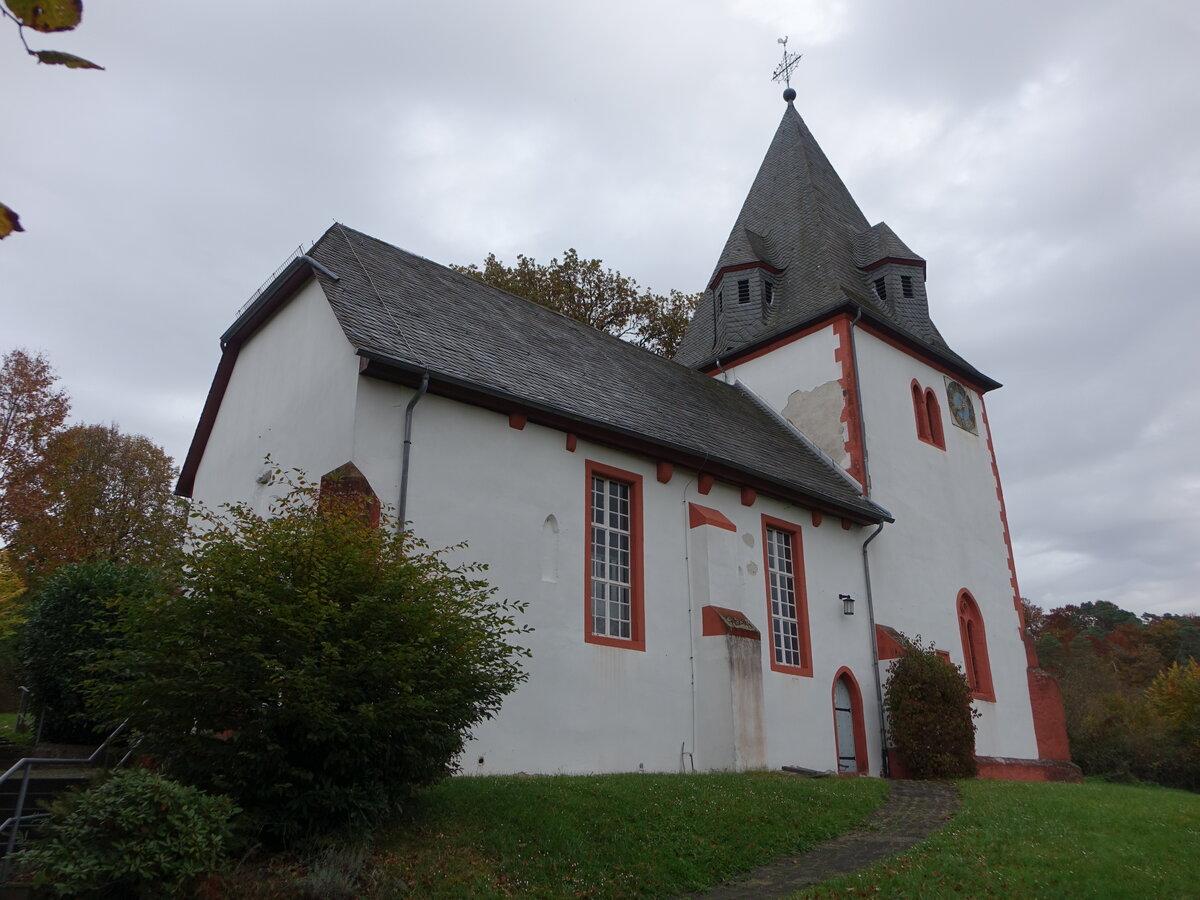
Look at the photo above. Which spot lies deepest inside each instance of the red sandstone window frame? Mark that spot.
(975, 651)
(347, 484)
(928, 414)
(861, 762)
(633, 481)
(800, 593)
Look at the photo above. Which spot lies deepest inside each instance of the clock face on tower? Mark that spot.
(962, 410)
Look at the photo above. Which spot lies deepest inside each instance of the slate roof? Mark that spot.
(417, 315)
(880, 242)
(800, 218)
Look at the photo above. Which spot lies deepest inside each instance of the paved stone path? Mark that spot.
(912, 812)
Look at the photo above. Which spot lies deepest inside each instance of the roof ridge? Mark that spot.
(444, 270)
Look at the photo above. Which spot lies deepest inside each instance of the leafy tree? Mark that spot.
(1121, 676)
(1035, 616)
(603, 298)
(31, 412)
(45, 16)
(315, 668)
(12, 618)
(71, 621)
(12, 588)
(97, 494)
(930, 717)
(1175, 695)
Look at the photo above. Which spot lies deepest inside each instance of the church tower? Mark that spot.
(826, 319)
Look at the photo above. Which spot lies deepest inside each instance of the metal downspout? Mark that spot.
(408, 417)
(884, 767)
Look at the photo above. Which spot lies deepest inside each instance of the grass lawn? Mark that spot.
(643, 836)
(614, 836)
(8, 729)
(1012, 839)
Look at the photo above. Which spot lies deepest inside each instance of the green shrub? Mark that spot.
(69, 621)
(315, 668)
(136, 834)
(930, 717)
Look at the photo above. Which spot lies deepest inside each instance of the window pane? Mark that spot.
(785, 624)
(611, 559)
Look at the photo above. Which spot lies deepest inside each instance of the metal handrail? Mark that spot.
(26, 764)
(22, 709)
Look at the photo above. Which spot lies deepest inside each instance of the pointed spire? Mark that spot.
(803, 232)
(797, 206)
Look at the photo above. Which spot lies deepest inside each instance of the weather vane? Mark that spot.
(783, 72)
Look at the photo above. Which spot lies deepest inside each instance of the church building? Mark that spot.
(719, 552)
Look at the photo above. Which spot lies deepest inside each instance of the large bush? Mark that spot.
(137, 834)
(313, 667)
(71, 619)
(930, 717)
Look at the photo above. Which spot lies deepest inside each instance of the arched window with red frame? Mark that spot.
(975, 651)
(933, 412)
(920, 413)
(928, 415)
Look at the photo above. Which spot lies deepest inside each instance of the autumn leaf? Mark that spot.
(47, 15)
(9, 222)
(70, 60)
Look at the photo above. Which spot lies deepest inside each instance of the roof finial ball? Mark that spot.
(783, 71)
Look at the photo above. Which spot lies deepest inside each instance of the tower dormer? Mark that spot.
(800, 248)
(893, 275)
(743, 299)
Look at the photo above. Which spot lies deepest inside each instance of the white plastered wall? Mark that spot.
(290, 397)
(518, 497)
(948, 535)
(800, 381)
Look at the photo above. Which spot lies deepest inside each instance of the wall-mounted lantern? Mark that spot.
(847, 604)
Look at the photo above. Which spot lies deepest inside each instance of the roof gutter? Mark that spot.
(965, 372)
(381, 365)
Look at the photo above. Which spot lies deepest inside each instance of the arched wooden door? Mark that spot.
(849, 730)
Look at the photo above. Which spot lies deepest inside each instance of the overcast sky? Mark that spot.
(1043, 156)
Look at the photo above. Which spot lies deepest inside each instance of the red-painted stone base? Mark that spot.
(1005, 768)
(896, 766)
(1049, 720)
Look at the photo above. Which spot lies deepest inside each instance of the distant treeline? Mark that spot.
(1131, 688)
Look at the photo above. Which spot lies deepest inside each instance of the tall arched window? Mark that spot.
(933, 411)
(920, 412)
(850, 732)
(928, 414)
(975, 651)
